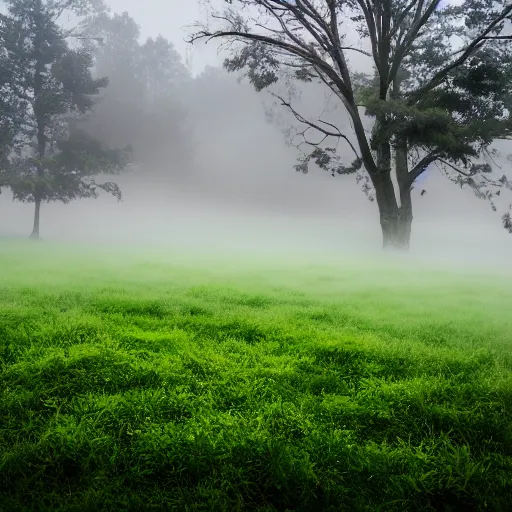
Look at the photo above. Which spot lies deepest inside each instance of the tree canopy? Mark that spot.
(48, 87)
(435, 78)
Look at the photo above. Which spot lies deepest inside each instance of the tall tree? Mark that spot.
(166, 135)
(12, 109)
(440, 93)
(52, 160)
(161, 69)
(143, 104)
(118, 56)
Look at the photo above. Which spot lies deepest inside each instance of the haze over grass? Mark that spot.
(139, 380)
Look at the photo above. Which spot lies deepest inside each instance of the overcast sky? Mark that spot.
(172, 19)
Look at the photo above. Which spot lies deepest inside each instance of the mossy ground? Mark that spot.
(133, 382)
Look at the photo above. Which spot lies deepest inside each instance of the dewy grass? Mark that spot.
(167, 383)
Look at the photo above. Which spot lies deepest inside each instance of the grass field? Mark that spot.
(164, 382)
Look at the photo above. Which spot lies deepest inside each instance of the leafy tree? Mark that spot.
(440, 93)
(118, 55)
(143, 103)
(161, 69)
(165, 134)
(116, 116)
(12, 107)
(51, 159)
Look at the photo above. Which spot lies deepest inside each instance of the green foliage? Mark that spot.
(72, 73)
(430, 128)
(49, 159)
(147, 385)
(507, 222)
(365, 88)
(458, 119)
(11, 104)
(327, 160)
(261, 64)
(69, 173)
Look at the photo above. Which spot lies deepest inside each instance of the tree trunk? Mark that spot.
(395, 221)
(405, 209)
(35, 230)
(396, 226)
(39, 114)
(405, 214)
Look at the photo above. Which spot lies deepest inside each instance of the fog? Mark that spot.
(238, 192)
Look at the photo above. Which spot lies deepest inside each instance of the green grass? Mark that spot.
(137, 382)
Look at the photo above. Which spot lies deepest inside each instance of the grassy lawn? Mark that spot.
(164, 382)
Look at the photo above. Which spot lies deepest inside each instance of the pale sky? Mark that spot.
(171, 18)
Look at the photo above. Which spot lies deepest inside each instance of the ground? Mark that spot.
(145, 381)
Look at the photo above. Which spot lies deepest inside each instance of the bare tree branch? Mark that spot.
(400, 20)
(419, 21)
(456, 169)
(503, 38)
(307, 54)
(309, 19)
(358, 50)
(372, 30)
(336, 134)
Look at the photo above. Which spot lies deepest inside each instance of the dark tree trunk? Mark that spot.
(35, 229)
(395, 219)
(39, 110)
(405, 218)
(396, 227)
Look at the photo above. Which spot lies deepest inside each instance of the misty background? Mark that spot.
(215, 173)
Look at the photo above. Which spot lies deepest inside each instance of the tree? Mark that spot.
(118, 56)
(440, 92)
(165, 135)
(161, 69)
(51, 160)
(143, 104)
(11, 114)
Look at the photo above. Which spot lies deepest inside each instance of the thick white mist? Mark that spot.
(242, 196)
